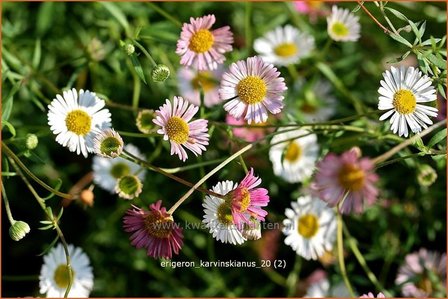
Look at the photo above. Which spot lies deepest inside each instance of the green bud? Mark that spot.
(128, 186)
(18, 230)
(144, 121)
(160, 73)
(31, 141)
(426, 175)
(130, 49)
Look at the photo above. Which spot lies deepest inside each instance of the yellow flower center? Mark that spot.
(315, 4)
(224, 214)
(201, 41)
(120, 169)
(204, 80)
(177, 129)
(78, 122)
(158, 226)
(308, 225)
(293, 152)
(339, 28)
(61, 276)
(251, 90)
(404, 101)
(244, 199)
(351, 177)
(286, 50)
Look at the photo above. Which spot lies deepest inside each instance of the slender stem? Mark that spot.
(67, 257)
(243, 164)
(363, 263)
(205, 178)
(193, 166)
(340, 245)
(387, 18)
(168, 16)
(293, 277)
(153, 62)
(293, 72)
(128, 156)
(28, 172)
(406, 143)
(136, 92)
(138, 135)
(7, 208)
(373, 18)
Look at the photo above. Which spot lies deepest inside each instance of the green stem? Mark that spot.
(10, 154)
(7, 208)
(128, 156)
(193, 166)
(138, 135)
(165, 14)
(243, 164)
(293, 72)
(406, 143)
(340, 245)
(153, 62)
(293, 277)
(205, 178)
(354, 247)
(67, 257)
(136, 92)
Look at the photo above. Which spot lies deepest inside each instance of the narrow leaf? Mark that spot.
(46, 250)
(400, 39)
(117, 13)
(437, 138)
(10, 127)
(138, 68)
(396, 13)
(37, 54)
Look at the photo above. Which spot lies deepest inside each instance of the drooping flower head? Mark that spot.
(252, 88)
(423, 274)
(310, 227)
(293, 154)
(76, 117)
(128, 186)
(190, 83)
(201, 47)
(177, 127)
(54, 276)
(342, 25)
(371, 295)
(247, 200)
(348, 175)
(403, 93)
(107, 171)
(218, 215)
(154, 230)
(284, 45)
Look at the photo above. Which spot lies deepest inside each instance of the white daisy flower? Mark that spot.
(107, 171)
(310, 228)
(284, 45)
(318, 104)
(54, 276)
(77, 118)
(401, 92)
(342, 25)
(218, 215)
(293, 154)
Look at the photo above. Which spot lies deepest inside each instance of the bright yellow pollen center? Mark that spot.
(286, 50)
(78, 122)
(404, 101)
(244, 200)
(351, 177)
(293, 152)
(177, 129)
(339, 29)
(224, 214)
(158, 226)
(308, 225)
(61, 276)
(251, 90)
(201, 41)
(204, 80)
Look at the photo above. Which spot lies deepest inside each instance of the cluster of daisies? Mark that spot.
(250, 90)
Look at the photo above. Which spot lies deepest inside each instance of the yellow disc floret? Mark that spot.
(404, 101)
(351, 177)
(78, 122)
(339, 29)
(293, 152)
(308, 225)
(201, 41)
(251, 89)
(286, 50)
(61, 276)
(177, 129)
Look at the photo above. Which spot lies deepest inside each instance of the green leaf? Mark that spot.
(397, 13)
(46, 250)
(422, 29)
(138, 67)
(8, 102)
(415, 30)
(400, 39)
(11, 128)
(117, 13)
(437, 138)
(47, 227)
(37, 54)
(45, 17)
(441, 90)
(437, 61)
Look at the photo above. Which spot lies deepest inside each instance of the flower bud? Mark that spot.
(426, 175)
(128, 186)
(31, 141)
(18, 230)
(108, 143)
(144, 121)
(129, 49)
(160, 73)
(87, 197)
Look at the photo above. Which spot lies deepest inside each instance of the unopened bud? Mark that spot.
(160, 73)
(426, 175)
(31, 141)
(87, 197)
(128, 186)
(144, 121)
(18, 230)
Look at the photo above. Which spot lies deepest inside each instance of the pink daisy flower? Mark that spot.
(423, 274)
(154, 230)
(312, 8)
(247, 200)
(201, 48)
(337, 175)
(174, 118)
(252, 88)
(370, 295)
